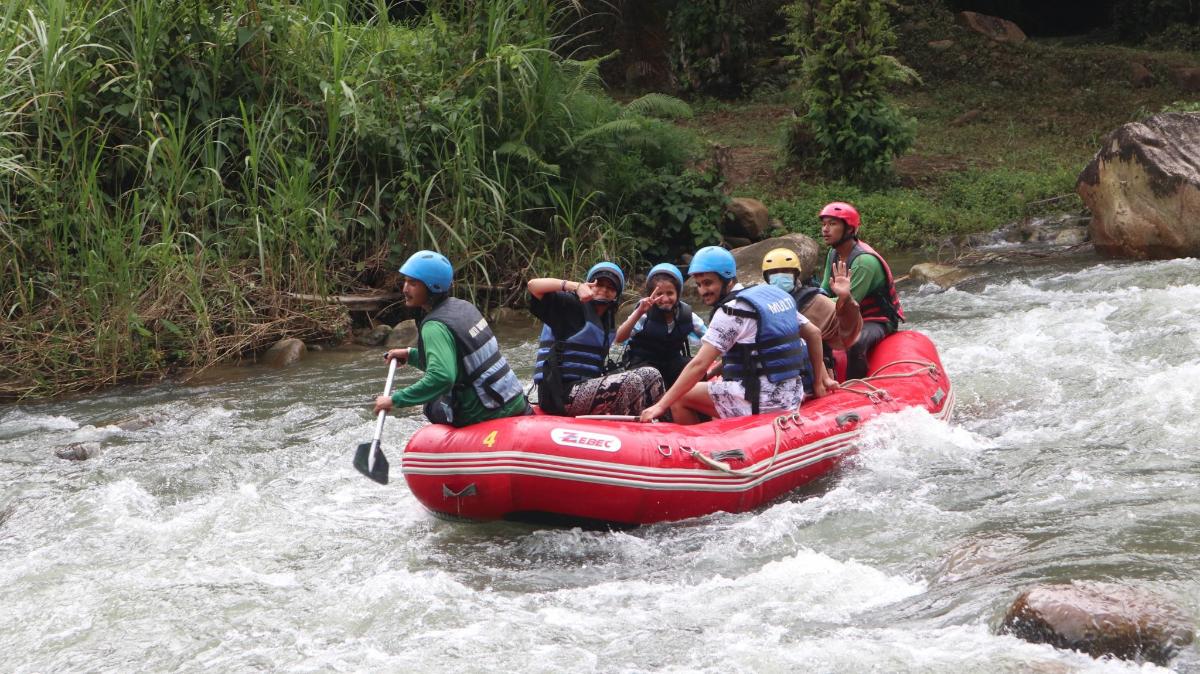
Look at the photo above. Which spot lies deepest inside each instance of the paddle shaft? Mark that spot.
(387, 390)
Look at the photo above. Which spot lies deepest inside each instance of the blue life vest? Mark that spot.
(481, 365)
(580, 356)
(778, 352)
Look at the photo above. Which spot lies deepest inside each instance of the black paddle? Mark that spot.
(369, 458)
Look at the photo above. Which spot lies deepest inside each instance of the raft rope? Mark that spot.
(873, 393)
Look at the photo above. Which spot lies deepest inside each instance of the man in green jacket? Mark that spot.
(467, 380)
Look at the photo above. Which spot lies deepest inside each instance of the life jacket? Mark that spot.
(655, 344)
(579, 356)
(882, 304)
(778, 353)
(481, 365)
(803, 295)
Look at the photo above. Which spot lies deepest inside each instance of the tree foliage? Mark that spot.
(850, 125)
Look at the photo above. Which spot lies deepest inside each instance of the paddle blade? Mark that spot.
(378, 472)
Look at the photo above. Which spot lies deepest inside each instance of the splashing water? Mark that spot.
(232, 533)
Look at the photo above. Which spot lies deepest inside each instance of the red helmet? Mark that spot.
(844, 212)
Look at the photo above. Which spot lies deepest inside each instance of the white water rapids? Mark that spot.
(233, 534)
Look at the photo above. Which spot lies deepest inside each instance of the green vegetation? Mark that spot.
(175, 173)
(850, 128)
(174, 170)
(1002, 131)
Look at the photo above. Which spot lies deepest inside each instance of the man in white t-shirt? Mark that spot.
(773, 367)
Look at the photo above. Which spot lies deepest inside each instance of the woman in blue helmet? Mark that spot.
(768, 349)
(467, 379)
(662, 328)
(577, 332)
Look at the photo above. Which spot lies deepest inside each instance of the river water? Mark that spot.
(233, 534)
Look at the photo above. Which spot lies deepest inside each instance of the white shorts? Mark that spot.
(729, 397)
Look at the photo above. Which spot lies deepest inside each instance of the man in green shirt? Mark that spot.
(871, 283)
(467, 380)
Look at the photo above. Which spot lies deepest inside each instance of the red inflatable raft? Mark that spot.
(548, 468)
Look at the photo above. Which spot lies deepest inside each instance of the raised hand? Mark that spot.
(839, 282)
(586, 291)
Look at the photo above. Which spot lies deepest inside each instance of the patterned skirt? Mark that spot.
(627, 392)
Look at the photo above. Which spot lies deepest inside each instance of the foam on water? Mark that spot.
(234, 534)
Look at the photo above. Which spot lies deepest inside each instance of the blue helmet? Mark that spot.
(430, 268)
(610, 271)
(668, 269)
(713, 259)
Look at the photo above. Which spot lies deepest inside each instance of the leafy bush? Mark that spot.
(844, 45)
(176, 170)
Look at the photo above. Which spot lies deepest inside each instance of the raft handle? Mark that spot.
(468, 490)
(847, 418)
(727, 454)
(664, 448)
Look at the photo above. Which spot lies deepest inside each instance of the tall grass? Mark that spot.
(172, 172)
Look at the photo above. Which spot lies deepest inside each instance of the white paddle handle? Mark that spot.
(387, 390)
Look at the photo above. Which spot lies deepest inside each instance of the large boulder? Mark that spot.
(1100, 619)
(284, 353)
(1000, 30)
(943, 276)
(750, 218)
(1187, 79)
(403, 335)
(1143, 189)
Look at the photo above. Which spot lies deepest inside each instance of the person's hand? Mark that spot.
(586, 291)
(644, 305)
(659, 299)
(401, 355)
(382, 404)
(839, 282)
(827, 385)
(652, 412)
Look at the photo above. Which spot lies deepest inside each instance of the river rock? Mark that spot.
(404, 334)
(375, 336)
(1143, 189)
(943, 276)
(134, 423)
(750, 218)
(284, 353)
(1000, 30)
(78, 451)
(966, 118)
(1139, 75)
(1100, 619)
(1187, 79)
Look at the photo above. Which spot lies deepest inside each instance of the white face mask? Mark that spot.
(783, 280)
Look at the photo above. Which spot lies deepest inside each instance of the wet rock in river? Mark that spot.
(78, 451)
(375, 336)
(1100, 619)
(134, 423)
(403, 335)
(284, 353)
(1143, 189)
(941, 275)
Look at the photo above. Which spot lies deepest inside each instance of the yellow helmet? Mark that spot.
(780, 259)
